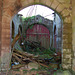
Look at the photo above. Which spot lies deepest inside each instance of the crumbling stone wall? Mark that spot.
(11, 7)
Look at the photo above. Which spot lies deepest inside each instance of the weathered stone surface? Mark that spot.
(64, 1)
(66, 66)
(67, 51)
(67, 56)
(46, 2)
(67, 41)
(73, 67)
(54, 4)
(6, 19)
(68, 19)
(69, 30)
(67, 5)
(10, 7)
(60, 8)
(73, 64)
(65, 12)
(0, 63)
(67, 46)
(67, 25)
(67, 61)
(32, 65)
(65, 36)
(36, 1)
(5, 59)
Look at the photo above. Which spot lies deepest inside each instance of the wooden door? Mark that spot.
(39, 33)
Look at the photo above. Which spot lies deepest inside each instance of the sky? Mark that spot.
(37, 10)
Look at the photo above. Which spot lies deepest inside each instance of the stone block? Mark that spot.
(65, 46)
(8, 3)
(66, 66)
(64, 1)
(60, 8)
(73, 65)
(73, 68)
(73, 61)
(67, 41)
(67, 31)
(67, 51)
(54, 4)
(67, 56)
(70, 46)
(65, 12)
(68, 19)
(36, 1)
(6, 19)
(66, 61)
(68, 6)
(67, 25)
(5, 59)
(46, 2)
(65, 36)
(31, 1)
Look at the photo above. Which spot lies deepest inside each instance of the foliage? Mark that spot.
(31, 26)
(37, 74)
(27, 18)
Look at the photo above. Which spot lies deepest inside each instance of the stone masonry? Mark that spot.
(63, 7)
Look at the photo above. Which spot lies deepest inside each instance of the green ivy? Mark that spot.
(31, 26)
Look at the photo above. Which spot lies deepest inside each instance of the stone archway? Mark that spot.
(11, 7)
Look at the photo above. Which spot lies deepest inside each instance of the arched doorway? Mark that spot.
(38, 29)
(60, 8)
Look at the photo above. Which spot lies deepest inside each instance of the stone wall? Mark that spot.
(73, 33)
(62, 7)
(0, 28)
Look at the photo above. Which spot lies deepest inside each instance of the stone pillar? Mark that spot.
(67, 46)
(0, 28)
(73, 33)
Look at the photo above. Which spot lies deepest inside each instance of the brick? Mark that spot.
(67, 41)
(36, 1)
(60, 8)
(67, 56)
(67, 46)
(67, 51)
(6, 26)
(66, 66)
(65, 12)
(54, 4)
(67, 5)
(67, 25)
(46, 2)
(6, 19)
(24, 3)
(68, 19)
(64, 1)
(67, 61)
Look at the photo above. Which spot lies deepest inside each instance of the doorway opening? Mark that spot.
(37, 39)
